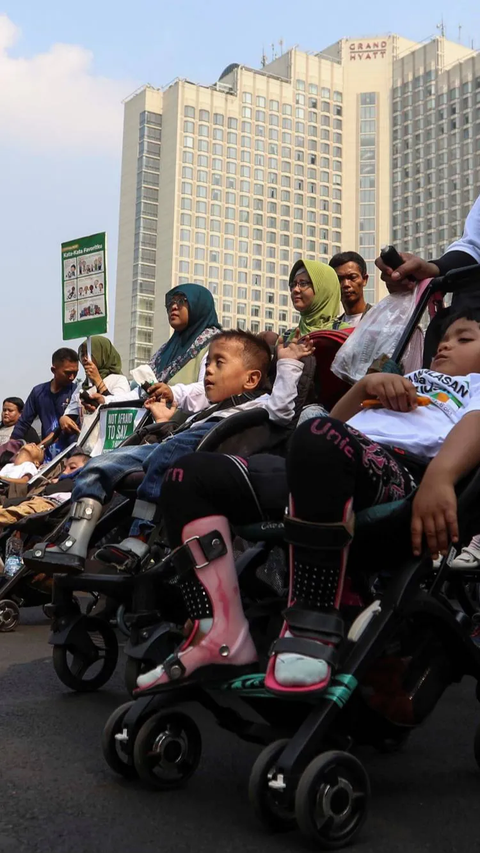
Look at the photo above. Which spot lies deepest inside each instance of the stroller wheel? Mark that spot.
(269, 803)
(124, 619)
(91, 662)
(332, 799)
(113, 744)
(9, 615)
(167, 750)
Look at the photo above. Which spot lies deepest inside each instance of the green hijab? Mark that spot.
(105, 356)
(325, 307)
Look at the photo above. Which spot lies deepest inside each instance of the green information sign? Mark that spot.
(84, 287)
(119, 425)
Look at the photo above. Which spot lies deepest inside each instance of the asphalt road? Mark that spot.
(57, 795)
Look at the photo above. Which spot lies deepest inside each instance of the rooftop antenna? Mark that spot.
(281, 46)
(441, 27)
(264, 58)
(459, 33)
(273, 52)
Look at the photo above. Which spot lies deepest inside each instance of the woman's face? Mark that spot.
(10, 414)
(301, 291)
(85, 359)
(177, 310)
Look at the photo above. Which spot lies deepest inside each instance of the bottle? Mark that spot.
(13, 555)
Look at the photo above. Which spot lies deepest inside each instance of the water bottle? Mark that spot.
(13, 555)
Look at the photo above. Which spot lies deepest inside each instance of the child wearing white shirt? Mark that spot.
(24, 465)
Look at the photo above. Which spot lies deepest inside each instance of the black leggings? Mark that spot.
(329, 463)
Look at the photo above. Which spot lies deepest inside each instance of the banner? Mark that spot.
(84, 287)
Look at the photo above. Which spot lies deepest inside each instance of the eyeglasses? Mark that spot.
(303, 284)
(179, 300)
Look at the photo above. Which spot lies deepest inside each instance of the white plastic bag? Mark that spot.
(377, 335)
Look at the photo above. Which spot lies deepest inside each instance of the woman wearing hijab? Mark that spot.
(315, 294)
(192, 316)
(103, 378)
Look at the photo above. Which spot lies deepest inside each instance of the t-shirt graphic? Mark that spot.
(423, 430)
(448, 393)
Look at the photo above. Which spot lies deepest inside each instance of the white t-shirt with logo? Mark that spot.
(423, 430)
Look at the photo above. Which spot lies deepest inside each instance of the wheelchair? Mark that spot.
(21, 590)
(407, 642)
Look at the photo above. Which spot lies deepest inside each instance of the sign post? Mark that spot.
(84, 287)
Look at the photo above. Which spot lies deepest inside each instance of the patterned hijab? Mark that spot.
(183, 346)
(105, 356)
(325, 306)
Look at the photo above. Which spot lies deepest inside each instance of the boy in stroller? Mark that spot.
(236, 371)
(360, 456)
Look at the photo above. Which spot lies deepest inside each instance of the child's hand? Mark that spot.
(160, 391)
(434, 515)
(296, 349)
(160, 410)
(394, 392)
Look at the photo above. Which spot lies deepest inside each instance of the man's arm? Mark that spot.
(434, 513)
(27, 417)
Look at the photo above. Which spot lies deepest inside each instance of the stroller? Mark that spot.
(411, 638)
(21, 590)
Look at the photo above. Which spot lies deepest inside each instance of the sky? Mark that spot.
(64, 71)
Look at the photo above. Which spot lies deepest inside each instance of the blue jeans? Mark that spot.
(155, 466)
(99, 478)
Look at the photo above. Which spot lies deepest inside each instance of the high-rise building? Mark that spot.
(368, 141)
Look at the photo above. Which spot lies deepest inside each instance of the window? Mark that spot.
(189, 111)
(204, 115)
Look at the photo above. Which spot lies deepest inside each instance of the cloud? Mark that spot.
(54, 101)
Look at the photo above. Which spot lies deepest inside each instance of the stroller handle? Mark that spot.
(464, 278)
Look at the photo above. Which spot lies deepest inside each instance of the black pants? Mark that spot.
(329, 463)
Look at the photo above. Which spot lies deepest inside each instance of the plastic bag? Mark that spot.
(377, 335)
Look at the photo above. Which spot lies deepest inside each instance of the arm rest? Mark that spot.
(231, 426)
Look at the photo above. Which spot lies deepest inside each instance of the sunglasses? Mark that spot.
(179, 300)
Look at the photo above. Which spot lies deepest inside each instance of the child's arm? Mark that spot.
(393, 392)
(188, 398)
(434, 513)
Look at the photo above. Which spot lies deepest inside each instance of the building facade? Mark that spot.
(228, 185)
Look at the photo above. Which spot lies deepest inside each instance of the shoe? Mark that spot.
(50, 558)
(126, 555)
(468, 558)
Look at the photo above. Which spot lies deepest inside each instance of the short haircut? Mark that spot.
(64, 354)
(472, 314)
(17, 401)
(78, 452)
(349, 257)
(256, 352)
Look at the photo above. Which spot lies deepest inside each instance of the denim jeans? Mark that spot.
(99, 478)
(160, 460)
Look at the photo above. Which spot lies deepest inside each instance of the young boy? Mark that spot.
(237, 366)
(25, 464)
(337, 466)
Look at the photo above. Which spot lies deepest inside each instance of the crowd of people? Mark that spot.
(388, 436)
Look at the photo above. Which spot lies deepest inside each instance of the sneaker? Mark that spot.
(468, 558)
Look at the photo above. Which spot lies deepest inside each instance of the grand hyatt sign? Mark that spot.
(363, 50)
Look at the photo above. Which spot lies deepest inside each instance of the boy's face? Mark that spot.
(33, 452)
(226, 373)
(459, 350)
(65, 372)
(74, 463)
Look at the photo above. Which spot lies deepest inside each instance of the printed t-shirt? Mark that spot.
(423, 430)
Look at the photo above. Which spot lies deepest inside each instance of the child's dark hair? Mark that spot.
(472, 314)
(256, 352)
(64, 354)
(78, 453)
